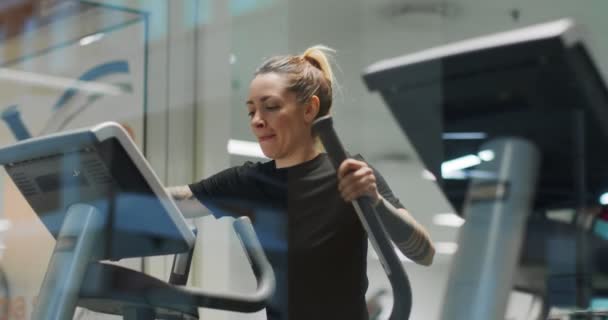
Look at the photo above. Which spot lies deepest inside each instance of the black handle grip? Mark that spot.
(402, 292)
(180, 270)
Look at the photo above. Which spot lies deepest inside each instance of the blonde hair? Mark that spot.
(308, 74)
(318, 56)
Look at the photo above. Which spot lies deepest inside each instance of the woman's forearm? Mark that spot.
(186, 202)
(411, 238)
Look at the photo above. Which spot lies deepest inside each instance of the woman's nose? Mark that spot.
(257, 121)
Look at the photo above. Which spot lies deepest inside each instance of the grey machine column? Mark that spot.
(498, 204)
(81, 229)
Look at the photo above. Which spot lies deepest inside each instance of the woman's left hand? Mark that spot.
(356, 179)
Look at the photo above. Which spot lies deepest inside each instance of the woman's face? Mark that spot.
(281, 125)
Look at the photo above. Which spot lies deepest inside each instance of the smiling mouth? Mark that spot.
(266, 138)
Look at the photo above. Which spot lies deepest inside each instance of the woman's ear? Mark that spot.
(312, 109)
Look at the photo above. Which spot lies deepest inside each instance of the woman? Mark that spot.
(300, 205)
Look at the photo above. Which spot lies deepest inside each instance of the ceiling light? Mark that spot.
(245, 148)
(448, 220)
(455, 175)
(486, 155)
(464, 135)
(463, 162)
(446, 247)
(90, 39)
(604, 198)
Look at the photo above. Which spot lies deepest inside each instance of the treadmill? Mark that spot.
(538, 106)
(97, 195)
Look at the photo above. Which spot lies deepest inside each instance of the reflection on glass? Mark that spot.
(63, 65)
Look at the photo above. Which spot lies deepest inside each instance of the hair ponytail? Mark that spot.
(318, 57)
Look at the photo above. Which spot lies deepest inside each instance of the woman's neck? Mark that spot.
(297, 158)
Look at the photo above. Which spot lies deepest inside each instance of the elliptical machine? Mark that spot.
(96, 194)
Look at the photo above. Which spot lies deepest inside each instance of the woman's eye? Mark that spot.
(250, 114)
(272, 107)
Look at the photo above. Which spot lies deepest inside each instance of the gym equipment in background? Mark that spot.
(537, 104)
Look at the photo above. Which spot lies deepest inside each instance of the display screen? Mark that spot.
(53, 182)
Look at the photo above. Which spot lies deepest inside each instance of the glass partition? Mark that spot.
(63, 65)
(176, 76)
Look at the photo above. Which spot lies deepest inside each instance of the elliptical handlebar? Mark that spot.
(402, 292)
(261, 268)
